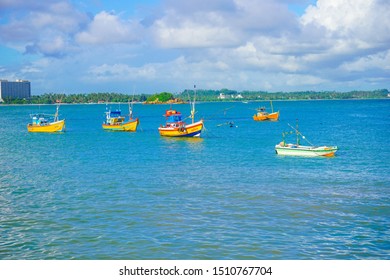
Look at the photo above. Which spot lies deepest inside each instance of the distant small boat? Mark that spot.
(299, 150)
(263, 115)
(176, 127)
(46, 122)
(230, 124)
(116, 122)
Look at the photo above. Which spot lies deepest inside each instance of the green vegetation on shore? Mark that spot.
(164, 97)
(201, 95)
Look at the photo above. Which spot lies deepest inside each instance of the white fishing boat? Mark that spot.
(297, 149)
(307, 151)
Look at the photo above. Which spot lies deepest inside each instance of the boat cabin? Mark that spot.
(173, 116)
(114, 117)
(39, 119)
(174, 119)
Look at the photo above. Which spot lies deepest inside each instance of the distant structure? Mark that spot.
(18, 89)
(221, 96)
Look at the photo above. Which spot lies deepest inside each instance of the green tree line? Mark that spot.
(231, 95)
(201, 95)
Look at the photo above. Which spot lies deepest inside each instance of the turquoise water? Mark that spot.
(93, 194)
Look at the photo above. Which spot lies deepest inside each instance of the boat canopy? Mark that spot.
(115, 113)
(41, 115)
(38, 121)
(171, 112)
(174, 118)
(41, 118)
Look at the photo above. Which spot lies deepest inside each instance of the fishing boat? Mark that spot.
(46, 122)
(263, 115)
(299, 150)
(176, 127)
(116, 122)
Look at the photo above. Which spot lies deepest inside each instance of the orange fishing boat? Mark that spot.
(263, 115)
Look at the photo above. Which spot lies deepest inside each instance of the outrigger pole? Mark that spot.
(299, 133)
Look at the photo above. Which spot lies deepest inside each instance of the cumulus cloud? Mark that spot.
(120, 72)
(264, 17)
(355, 33)
(218, 23)
(366, 23)
(379, 61)
(240, 44)
(108, 28)
(193, 33)
(46, 30)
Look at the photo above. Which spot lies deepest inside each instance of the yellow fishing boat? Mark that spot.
(176, 127)
(116, 122)
(46, 123)
(263, 115)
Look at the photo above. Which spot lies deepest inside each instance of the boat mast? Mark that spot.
(130, 110)
(107, 113)
(56, 114)
(131, 107)
(299, 134)
(192, 104)
(272, 107)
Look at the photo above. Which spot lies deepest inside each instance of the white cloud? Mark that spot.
(107, 28)
(220, 23)
(377, 61)
(120, 72)
(193, 35)
(363, 20)
(264, 17)
(239, 44)
(46, 29)
(28, 69)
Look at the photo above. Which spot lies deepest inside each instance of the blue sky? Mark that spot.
(84, 46)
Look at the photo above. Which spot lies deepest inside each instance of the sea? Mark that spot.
(90, 194)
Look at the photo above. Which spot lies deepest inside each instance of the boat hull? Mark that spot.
(266, 117)
(58, 126)
(190, 130)
(306, 151)
(128, 126)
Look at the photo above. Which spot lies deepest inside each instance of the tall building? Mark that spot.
(18, 89)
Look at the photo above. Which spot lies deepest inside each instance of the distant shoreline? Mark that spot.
(223, 95)
(199, 102)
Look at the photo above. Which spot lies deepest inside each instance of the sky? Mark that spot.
(151, 46)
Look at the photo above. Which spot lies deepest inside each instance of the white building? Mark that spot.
(221, 96)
